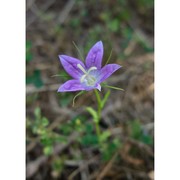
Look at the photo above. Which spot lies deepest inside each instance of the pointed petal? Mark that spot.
(70, 65)
(71, 85)
(95, 55)
(98, 87)
(106, 71)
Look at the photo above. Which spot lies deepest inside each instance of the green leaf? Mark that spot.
(89, 139)
(45, 121)
(37, 113)
(136, 131)
(109, 149)
(58, 164)
(35, 79)
(105, 98)
(93, 113)
(89, 128)
(48, 150)
(104, 136)
(47, 140)
(66, 129)
(61, 139)
(29, 55)
(147, 139)
(81, 118)
(79, 125)
(34, 129)
(41, 131)
(112, 87)
(114, 25)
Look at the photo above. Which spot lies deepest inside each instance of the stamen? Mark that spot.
(91, 69)
(83, 77)
(81, 68)
(90, 80)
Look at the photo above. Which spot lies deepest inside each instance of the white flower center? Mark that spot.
(87, 77)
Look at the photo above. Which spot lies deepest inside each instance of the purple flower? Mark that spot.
(86, 76)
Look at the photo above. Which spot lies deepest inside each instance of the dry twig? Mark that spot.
(107, 167)
(33, 166)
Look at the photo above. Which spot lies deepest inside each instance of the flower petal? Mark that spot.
(106, 71)
(71, 85)
(70, 65)
(98, 87)
(94, 57)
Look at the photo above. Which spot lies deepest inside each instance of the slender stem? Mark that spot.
(97, 130)
(99, 104)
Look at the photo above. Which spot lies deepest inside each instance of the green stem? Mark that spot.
(99, 104)
(98, 132)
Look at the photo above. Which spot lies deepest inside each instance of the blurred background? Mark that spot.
(60, 139)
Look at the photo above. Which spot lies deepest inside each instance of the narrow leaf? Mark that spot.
(105, 98)
(104, 136)
(113, 87)
(59, 75)
(93, 113)
(80, 54)
(80, 93)
(109, 57)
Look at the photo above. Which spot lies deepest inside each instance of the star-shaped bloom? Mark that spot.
(86, 76)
